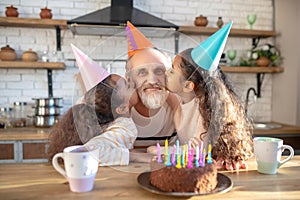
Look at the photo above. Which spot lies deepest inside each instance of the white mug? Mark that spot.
(268, 153)
(81, 166)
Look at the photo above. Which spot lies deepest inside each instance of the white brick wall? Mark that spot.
(23, 85)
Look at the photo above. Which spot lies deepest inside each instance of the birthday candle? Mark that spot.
(168, 163)
(177, 151)
(183, 156)
(190, 161)
(186, 155)
(166, 147)
(197, 156)
(166, 153)
(173, 158)
(158, 153)
(201, 148)
(209, 158)
(202, 163)
(178, 161)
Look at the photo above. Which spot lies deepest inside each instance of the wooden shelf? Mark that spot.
(252, 69)
(195, 30)
(33, 22)
(31, 65)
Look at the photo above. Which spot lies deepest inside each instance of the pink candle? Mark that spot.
(173, 158)
(158, 153)
(186, 155)
(202, 159)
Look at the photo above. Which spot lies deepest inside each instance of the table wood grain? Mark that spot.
(41, 181)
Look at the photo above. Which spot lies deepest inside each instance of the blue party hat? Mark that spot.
(207, 55)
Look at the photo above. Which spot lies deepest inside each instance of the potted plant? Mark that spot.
(266, 55)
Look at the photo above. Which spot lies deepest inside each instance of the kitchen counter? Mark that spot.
(29, 133)
(41, 181)
(29, 144)
(24, 133)
(289, 134)
(285, 130)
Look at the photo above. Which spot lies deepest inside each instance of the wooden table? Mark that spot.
(41, 181)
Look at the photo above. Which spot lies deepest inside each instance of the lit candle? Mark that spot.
(197, 156)
(158, 153)
(209, 158)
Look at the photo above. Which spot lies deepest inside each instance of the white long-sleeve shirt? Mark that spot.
(114, 143)
(191, 122)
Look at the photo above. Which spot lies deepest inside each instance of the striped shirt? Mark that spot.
(114, 143)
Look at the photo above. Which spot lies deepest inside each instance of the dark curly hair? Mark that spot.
(83, 121)
(225, 120)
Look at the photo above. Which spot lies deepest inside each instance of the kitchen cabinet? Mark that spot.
(28, 144)
(36, 23)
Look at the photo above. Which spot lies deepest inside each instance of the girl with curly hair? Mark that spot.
(210, 106)
(210, 111)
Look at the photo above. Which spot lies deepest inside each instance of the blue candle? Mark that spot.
(197, 156)
(168, 162)
(177, 151)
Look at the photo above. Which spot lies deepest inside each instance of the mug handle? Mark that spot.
(57, 166)
(290, 156)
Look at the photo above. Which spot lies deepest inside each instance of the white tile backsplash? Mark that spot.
(180, 12)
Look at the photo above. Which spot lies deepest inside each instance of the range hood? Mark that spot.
(112, 21)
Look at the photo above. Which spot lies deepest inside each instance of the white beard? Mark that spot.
(154, 100)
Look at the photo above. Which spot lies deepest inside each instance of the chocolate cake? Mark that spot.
(171, 179)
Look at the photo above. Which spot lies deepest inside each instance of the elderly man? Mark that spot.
(154, 107)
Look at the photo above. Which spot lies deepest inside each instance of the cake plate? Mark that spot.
(224, 185)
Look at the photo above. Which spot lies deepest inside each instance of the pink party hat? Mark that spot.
(136, 40)
(91, 72)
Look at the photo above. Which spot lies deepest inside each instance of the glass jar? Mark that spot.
(19, 114)
(5, 117)
(45, 56)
